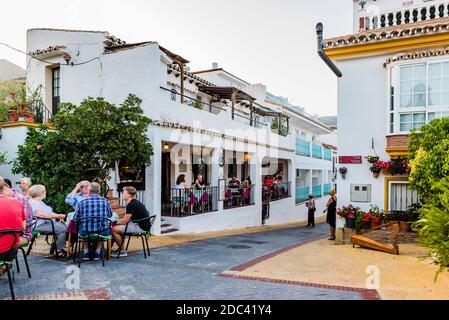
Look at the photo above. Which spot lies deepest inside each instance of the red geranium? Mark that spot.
(366, 217)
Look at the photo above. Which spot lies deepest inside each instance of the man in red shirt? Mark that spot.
(12, 217)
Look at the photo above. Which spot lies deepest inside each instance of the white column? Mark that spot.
(153, 182)
(217, 173)
(310, 181)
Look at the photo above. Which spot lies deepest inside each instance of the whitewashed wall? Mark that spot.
(362, 104)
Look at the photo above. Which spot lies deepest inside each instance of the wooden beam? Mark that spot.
(233, 96)
(251, 113)
(181, 66)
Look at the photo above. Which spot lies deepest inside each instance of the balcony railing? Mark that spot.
(401, 16)
(317, 151)
(276, 192)
(327, 154)
(238, 197)
(317, 191)
(327, 188)
(302, 148)
(302, 194)
(188, 202)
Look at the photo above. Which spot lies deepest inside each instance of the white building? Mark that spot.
(395, 70)
(208, 122)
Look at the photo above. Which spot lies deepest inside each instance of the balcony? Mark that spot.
(238, 197)
(397, 145)
(302, 148)
(317, 151)
(404, 16)
(317, 191)
(302, 194)
(36, 112)
(327, 188)
(276, 192)
(252, 115)
(327, 154)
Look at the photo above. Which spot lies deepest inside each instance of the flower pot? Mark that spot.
(13, 117)
(350, 223)
(376, 174)
(404, 226)
(375, 223)
(385, 171)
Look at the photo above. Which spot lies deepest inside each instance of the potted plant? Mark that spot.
(376, 216)
(19, 105)
(349, 213)
(398, 166)
(375, 170)
(372, 159)
(384, 166)
(343, 171)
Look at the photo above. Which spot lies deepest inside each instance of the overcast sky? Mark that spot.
(261, 41)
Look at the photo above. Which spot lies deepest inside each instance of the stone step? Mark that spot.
(169, 231)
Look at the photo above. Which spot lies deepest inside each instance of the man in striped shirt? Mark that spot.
(95, 208)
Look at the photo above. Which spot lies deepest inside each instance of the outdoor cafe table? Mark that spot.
(71, 228)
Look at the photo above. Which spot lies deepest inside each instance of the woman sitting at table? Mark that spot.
(45, 214)
(268, 182)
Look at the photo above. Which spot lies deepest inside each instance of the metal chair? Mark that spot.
(7, 257)
(91, 235)
(142, 235)
(36, 233)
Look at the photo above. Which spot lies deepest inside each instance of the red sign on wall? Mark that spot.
(350, 159)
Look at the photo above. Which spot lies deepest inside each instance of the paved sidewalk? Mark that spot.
(322, 263)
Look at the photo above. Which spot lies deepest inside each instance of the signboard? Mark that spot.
(350, 160)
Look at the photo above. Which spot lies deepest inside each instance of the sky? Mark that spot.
(261, 41)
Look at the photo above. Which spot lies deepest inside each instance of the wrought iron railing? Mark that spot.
(238, 197)
(188, 202)
(275, 192)
(40, 111)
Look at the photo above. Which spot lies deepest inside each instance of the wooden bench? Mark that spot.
(382, 238)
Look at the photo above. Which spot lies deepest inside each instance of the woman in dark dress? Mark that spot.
(331, 208)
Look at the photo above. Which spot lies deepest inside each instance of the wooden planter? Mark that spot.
(404, 226)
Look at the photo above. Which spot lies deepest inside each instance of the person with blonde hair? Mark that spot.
(25, 185)
(331, 208)
(45, 216)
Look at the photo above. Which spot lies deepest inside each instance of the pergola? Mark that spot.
(237, 96)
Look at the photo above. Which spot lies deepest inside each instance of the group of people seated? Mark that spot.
(26, 211)
(274, 185)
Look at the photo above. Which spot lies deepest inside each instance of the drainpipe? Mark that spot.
(323, 56)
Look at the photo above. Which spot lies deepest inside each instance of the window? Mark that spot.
(438, 88)
(173, 94)
(401, 197)
(56, 89)
(413, 86)
(412, 121)
(436, 115)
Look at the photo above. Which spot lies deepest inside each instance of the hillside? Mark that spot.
(10, 71)
(6, 87)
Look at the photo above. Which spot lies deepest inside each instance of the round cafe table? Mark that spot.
(71, 228)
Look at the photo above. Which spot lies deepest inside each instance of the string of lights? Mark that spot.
(48, 62)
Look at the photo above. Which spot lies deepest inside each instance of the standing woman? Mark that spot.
(331, 208)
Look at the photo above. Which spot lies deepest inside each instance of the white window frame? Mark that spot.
(395, 81)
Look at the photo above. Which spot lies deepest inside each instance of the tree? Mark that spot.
(429, 161)
(86, 143)
(429, 176)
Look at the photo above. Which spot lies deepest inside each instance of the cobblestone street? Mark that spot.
(188, 271)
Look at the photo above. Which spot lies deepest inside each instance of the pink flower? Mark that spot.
(38, 147)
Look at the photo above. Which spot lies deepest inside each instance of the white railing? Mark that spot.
(406, 15)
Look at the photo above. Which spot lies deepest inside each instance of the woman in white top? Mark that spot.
(45, 214)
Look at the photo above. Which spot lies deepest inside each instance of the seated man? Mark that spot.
(78, 194)
(94, 207)
(135, 211)
(12, 217)
(234, 184)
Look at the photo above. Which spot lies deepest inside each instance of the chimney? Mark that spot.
(214, 65)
